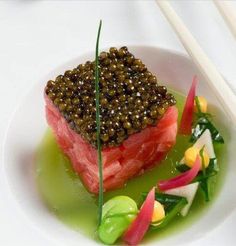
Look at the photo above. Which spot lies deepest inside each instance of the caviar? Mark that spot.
(130, 97)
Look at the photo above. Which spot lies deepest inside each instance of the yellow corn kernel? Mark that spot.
(190, 156)
(202, 103)
(158, 212)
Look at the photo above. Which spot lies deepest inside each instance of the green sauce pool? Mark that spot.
(65, 195)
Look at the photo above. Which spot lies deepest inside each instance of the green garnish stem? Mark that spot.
(203, 160)
(204, 182)
(198, 105)
(100, 199)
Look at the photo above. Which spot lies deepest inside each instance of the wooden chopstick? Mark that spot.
(228, 13)
(216, 82)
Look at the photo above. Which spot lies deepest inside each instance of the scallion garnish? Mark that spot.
(100, 166)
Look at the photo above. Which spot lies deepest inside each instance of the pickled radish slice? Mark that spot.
(185, 127)
(183, 179)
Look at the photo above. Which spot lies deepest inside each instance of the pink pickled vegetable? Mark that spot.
(183, 179)
(185, 127)
(140, 225)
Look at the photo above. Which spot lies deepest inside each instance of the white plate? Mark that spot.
(28, 125)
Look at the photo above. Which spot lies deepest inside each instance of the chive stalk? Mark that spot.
(99, 151)
(203, 160)
(204, 182)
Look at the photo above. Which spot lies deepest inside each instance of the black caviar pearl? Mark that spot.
(113, 52)
(105, 137)
(68, 73)
(111, 132)
(103, 55)
(130, 88)
(62, 106)
(162, 90)
(50, 84)
(123, 51)
(130, 59)
(51, 95)
(107, 61)
(121, 77)
(111, 92)
(122, 98)
(120, 66)
(144, 80)
(59, 78)
(112, 67)
(152, 79)
(127, 125)
(104, 101)
(124, 118)
(137, 62)
(108, 75)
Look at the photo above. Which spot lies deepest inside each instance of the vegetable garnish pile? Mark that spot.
(121, 217)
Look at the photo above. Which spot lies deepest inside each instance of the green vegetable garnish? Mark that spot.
(100, 199)
(181, 167)
(198, 105)
(117, 215)
(168, 201)
(203, 160)
(204, 182)
(210, 171)
(201, 125)
(204, 175)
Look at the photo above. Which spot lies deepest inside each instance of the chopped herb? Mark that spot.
(211, 170)
(205, 188)
(201, 125)
(100, 199)
(168, 201)
(181, 167)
